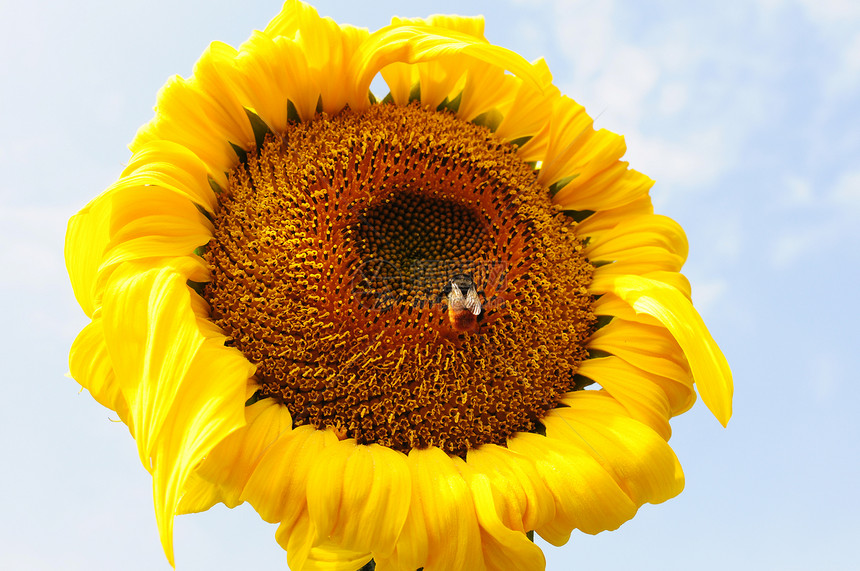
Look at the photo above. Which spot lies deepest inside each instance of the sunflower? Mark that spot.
(411, 330)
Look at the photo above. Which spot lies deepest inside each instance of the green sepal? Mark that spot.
(580, 382)
(598, 354)
(196, 286)
(490, 119)
(415, 93)
(292, 113)
(259, 126)
(600, 263)
(213, 184)
(256, 397)
(372, 98)
(561, 183)
(602, 321)
(240, 152)
(521, 141)
(452, 105)
(204, 212)
(388, 99)
(578, 215)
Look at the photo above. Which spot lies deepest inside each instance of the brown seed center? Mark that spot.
(332, 263)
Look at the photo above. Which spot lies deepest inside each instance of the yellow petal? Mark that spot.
(297, 538)
(327, 48)
(530, 109)
(442, 499)
(651, 231)
(90, 365)
(187, 116)
(503, 548)
(590, 158)
(487, 87)
(268, 73)
(154, 222)
(358, 496)
(400, 78)
(612, 187)
(224, 473)
(569, 128)
(184, 394)
(652, 349)
(634, 388)
(638, 459)
(438, 79)
(469, 25)
(604, 220)
(294, 16)
(87, 237)
(609, 304)
(278, 487)
(586, 496)
(669, 306)
(522, 499)
(415, 44)
(637, 261)
(167, 164)
(156, 237)
(330, 557)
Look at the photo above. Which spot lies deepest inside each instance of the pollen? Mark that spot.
(334, 251)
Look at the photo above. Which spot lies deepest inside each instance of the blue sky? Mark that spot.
(746, 114)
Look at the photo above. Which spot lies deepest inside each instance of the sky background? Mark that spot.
(746, 114)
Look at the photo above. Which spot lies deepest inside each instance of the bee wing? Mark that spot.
(472, 302)
(455, 298)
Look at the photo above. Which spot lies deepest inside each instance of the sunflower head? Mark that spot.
(376, 319)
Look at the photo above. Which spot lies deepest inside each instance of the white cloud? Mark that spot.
(844, 81)
(708, 294)
(825, 373)
(827, 12)
(689, 160)
(674, 87)
(32, 246)
(790, 247)
(846, 191)
(798, 191)
(830, 218)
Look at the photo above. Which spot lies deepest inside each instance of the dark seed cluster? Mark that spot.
(412, 244)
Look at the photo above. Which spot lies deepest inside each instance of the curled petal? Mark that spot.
(184, 393)
(672, 309)
(414, 44)
(87, 237)
(90, 365)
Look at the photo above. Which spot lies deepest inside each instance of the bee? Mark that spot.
(463, 304)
